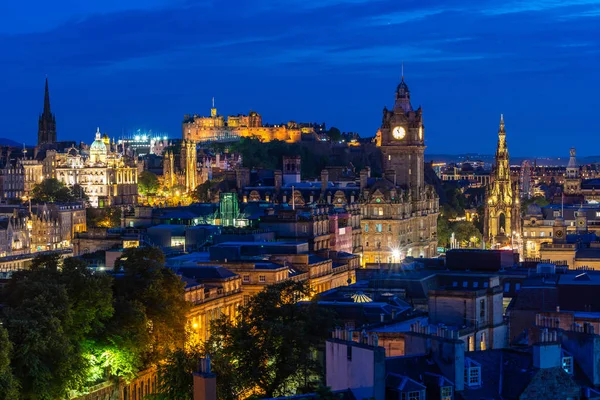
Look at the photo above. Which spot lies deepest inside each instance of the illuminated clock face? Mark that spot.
(420, 133)
(399, 133)
(559, 234)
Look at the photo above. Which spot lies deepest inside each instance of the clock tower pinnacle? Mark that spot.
(402, 141)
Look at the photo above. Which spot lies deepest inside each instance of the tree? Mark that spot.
(175, 374)
(271, 345)
(51, 190)
(9, 387)
(148, 183)
(49, 313)
(108, 217)
(150, 308)
(334, 134)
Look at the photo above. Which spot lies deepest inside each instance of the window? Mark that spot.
(475, 285)
(246, 278)
(262, 278)
(366, 227)
(557, 213)
(567, 364)
(378, 227)
(471, 343)
(473, 376)
(507, 287)
(465, 284)
(532, 234)
(414, 395)
(482, 343)
(597, 214)
(446, 393)
(542, 234)
(517, 287)
(349, 353)
(389, 227)
(246, 299)
(454, 284)
(482, 308)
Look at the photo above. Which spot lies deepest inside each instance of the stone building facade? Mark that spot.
(399, 211)
(103, 174)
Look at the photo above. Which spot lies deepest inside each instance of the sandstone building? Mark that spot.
(218, 128)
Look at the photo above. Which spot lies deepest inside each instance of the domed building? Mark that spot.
(98, 149)
(104, 175)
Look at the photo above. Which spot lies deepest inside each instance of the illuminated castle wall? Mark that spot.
(216, 128)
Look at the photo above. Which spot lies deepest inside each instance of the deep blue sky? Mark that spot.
(122, 64)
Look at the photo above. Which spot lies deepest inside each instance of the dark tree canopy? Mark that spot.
(271, 345)
(52, 190)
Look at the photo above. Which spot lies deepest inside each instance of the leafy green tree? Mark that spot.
(49, 312)
(150, 308)
(466, 233)
(9, 387)
(148, 183)
(51, 190)
(272, 344)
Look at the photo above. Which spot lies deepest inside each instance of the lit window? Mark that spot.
(517, 287)
(366, 227)
(262, 278)
(465, 284)
(378, 227)
(507, 287)
(454, 284)
(542, 234)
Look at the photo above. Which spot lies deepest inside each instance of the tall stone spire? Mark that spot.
(47, 122)
(502, 206)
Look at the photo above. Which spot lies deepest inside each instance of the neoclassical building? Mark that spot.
(399, 211)
(502, 207)
(102, 174)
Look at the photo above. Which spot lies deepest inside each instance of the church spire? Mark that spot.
(47, 100)
(47, 121)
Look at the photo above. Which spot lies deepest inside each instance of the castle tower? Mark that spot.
(402, 142)
(291, 169)
(47, 122)
(573, 179)
(502, 210)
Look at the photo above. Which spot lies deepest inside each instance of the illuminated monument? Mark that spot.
(502, 208)
(218, 128)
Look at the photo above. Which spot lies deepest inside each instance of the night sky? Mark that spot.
(146, 63)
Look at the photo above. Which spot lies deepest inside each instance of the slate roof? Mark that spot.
(208, 273)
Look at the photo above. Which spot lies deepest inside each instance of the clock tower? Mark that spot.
(402, 142)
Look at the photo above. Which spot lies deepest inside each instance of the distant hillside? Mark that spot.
(9, 142)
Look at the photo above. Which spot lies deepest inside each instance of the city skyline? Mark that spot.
(146, 64)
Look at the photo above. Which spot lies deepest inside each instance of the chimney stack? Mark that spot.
(205, 382)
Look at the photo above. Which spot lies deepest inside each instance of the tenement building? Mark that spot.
(399, 211)
(502, 208)
(218, 128)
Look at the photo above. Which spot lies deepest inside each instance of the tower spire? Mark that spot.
(47, 99)
(47, 122)
(402, 71)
